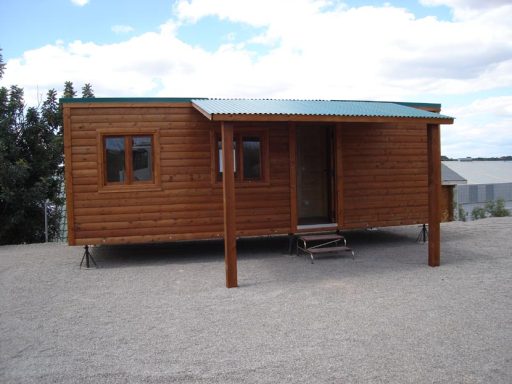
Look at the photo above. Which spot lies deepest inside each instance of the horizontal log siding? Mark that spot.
(446, 203)
(265, 209)
(188, 205)
(385, 174)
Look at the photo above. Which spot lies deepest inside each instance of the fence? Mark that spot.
(470, 196)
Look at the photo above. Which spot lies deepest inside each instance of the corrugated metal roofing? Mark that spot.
(482, 172)
(449, 176)
(312, 107)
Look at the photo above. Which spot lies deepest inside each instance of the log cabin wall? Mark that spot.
(185, 203)
(264, 208)
(385, 178)
(447, 203)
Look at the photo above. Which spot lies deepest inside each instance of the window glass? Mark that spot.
(141, 158)
(115, 159)
(221, 168)
(251, 149)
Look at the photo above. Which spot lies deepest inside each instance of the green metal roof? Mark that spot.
(315, 108)
(128, 99)
(281, 107)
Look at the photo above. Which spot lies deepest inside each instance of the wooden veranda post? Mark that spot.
(339, 182)
(434, 194)
(292, 142)
(228, 182)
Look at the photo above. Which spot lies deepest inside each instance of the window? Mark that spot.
(128, 159)
(251, 157)
(248, 154)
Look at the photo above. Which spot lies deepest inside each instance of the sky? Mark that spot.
(454, 52)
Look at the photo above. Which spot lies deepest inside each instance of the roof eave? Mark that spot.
(320, 118)
(202, 111)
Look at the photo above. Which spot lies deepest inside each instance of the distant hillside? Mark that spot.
(502, 158)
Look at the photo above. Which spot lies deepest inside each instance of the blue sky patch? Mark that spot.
(209, 33)
(441, 12)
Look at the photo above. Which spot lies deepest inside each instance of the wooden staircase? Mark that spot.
(318, 245)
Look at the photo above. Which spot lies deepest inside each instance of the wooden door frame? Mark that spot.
(334, 195)
(338, 175)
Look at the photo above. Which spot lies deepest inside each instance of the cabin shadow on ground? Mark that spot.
(118, 256)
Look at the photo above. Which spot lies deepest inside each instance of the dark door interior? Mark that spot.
(314, 175)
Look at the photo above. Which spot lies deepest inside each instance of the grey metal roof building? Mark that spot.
(485, 181)
(450, 177)
(482, 172)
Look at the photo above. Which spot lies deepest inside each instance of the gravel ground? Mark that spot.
(161, 314)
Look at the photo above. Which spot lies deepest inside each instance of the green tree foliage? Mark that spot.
(478, 213)
(69, 91)
(497, 208)
(463, 215)
(2, 65)
(491, 209)
(30, 166)
(87, 91)
(51, 112)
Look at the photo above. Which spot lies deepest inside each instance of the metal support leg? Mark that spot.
(423, 235)
(88, 258)
(291, 242)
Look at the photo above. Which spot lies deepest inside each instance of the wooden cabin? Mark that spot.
(156, 169)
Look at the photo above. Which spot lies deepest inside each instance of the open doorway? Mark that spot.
(315, 175)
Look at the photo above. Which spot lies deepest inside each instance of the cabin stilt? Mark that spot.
(434, 193)
(228, 184)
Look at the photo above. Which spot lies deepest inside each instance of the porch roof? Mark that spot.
(316, 110)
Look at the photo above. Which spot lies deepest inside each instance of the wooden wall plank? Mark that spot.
(68, 170)
(385, 178)
(186, 191)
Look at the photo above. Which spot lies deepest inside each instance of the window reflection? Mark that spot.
(115, 159)
(252, 157)
(141, 158)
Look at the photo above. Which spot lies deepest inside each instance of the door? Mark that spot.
(314, 175)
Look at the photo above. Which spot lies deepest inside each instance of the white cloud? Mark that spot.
(482, 128)
(121, 29)
(80, 3)
(476, 4)
(466, 9)
(365, 52)
(320, 49)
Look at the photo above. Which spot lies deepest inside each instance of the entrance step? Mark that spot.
(328, 237)
(315, 245)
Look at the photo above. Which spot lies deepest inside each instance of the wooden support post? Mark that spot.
(339, 181)
(292, 142)
(228, 182)
(434, 194)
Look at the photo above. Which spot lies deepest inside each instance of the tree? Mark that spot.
(51, 111)
(30, 167)
(87, 91)
(69, 91)
(2, 65)
(497, 208)
(478, 213)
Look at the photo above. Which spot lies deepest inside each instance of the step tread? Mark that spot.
(328, 249)
(321, 237)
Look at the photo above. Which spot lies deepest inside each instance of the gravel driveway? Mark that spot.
(161, 313)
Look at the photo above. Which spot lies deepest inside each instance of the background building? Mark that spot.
(478, 182)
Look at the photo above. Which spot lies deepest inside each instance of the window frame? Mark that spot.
(129, 184)
(238, 135)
